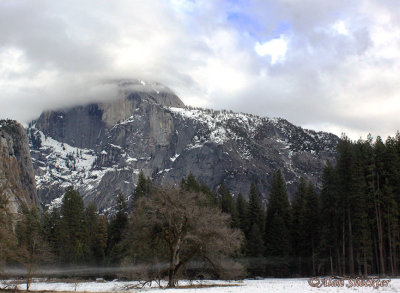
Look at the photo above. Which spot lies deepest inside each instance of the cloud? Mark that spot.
(326, 65)
(275, 48)
(340, 28)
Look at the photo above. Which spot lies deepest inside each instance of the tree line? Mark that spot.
(166, 233)
(349, 227)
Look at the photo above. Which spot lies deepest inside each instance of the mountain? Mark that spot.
(17, 178)
(100, 148)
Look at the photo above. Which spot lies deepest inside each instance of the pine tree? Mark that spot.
(210, 195)
(360, 203)
(379, 180)
(253, 231)
(392, 165)
(391, 197)
(143, 187)
(191, 183)
(312, 226)
(242, 210)
(255, 212)
(149, 186)
(97, 234)
(255, 243)
(277, 234)
(367, 154)
(255, 251)
(299, 228)
(277, 247)
(330, 223)
(74, 248)
(391, 225)
(100, 240)
(52, 231)
(118, 224)
(183, 184)
(140, 189)
(359, 214)
(227, 204)
(344, 167)
(394, 179)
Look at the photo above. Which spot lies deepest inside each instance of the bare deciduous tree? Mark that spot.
(176, 226)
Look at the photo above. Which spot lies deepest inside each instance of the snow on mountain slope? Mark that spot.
(62, 165)
(101, 148)
(216, 122)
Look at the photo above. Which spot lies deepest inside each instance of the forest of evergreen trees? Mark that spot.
(349, 227)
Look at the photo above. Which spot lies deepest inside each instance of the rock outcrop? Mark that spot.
(101, 148)
(17, 179)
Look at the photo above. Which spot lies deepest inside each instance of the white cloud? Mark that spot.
(340, 28)
(335, 65)
(12, 61)
(275, 48)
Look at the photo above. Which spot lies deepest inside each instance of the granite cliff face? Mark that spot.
(101, 148)
(17, 179)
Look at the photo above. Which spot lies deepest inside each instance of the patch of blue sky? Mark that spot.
(257, 28)
(243, 22)
(281, 29)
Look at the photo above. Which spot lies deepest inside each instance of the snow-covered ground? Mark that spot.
(264, 285)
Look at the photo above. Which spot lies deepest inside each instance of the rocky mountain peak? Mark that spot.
(85, 125)
(101, 148)
(152, 91)
(134, 93)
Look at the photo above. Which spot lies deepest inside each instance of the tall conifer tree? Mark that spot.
(74, 247)
(277, 227)
(228, 205)
(117, 227)
(298, 228)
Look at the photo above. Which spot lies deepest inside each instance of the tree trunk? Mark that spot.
(344, 244)
(351, 256)
(313, 257)
(365, 264)
(299, 265)
(380, 238)
(29, 276)
(379, 224)
(171, 278)
(390, 243)
(174, 262)
(376, 255)
(395, 252)
(339, 263)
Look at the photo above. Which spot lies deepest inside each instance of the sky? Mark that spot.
(320, 64)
